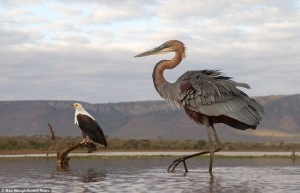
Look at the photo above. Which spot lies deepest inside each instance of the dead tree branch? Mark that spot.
(62, 158)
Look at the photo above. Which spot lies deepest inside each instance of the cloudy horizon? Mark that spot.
(84, 50)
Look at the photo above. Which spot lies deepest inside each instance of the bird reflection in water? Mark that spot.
(85, 176)
(92, 175)
(212, 183)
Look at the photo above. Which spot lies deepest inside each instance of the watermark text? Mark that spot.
(25, 190)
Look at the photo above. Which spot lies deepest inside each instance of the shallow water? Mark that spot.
(150, 175)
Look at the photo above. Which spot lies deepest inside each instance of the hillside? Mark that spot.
(146, 119)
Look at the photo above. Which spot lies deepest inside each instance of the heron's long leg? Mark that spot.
(216, 137)
(212, 144)
(176, 162)
(211, 148)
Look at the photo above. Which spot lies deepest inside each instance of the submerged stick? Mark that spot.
(62, 159)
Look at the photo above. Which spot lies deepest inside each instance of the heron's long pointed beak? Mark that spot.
(149, 52)
(158, 50)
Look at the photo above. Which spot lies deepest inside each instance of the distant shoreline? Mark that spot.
(112, 154)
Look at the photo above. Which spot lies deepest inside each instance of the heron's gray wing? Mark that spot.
(209, 92)
(91, 128)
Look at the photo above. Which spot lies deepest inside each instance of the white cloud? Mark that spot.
(83, 50)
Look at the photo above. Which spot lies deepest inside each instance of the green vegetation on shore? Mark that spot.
(42, 144)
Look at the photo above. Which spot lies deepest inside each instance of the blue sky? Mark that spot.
(83, 50)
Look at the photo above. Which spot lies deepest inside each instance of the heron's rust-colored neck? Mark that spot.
(158, 76)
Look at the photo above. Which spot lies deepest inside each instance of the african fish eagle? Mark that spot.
(88, 125)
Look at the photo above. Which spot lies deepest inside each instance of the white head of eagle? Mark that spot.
(88, 125)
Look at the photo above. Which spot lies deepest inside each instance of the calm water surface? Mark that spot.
(149, 175)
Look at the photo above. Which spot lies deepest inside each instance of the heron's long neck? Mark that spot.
(158, 71)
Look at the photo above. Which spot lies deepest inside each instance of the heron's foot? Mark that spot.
(177, 161)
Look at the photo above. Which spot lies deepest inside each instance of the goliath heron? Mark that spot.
(207, 96)
(88, 125)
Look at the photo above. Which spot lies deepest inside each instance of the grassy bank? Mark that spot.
(42, 144)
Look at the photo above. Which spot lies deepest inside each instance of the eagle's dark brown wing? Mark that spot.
(91, 128)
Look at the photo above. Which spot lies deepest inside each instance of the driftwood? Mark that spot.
(62, 159)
